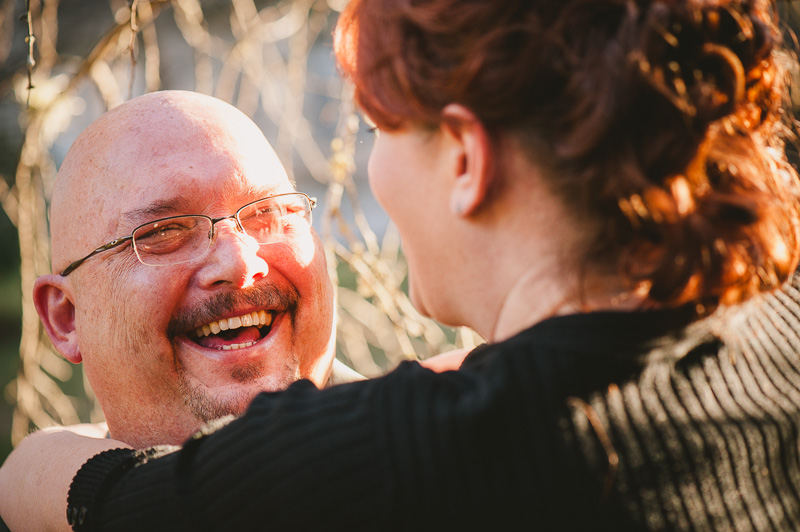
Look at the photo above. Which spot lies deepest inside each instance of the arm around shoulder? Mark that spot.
(36, 476)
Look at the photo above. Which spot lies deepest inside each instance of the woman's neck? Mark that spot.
(539, 246)
(544, 291)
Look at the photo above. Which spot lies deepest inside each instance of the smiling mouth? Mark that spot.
(233, 333)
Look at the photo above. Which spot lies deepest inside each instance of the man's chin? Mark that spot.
(208, 403)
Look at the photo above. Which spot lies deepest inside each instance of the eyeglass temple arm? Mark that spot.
(112, 244)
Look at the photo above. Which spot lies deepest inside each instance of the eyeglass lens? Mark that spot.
(182, 238)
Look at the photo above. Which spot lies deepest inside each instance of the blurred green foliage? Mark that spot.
(10, 324)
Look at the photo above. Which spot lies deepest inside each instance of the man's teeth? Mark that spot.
(258, 319)
(237, 346)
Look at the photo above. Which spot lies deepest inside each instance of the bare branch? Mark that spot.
(30, 39)
(134, 32)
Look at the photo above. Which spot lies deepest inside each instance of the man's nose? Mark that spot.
(233, 258)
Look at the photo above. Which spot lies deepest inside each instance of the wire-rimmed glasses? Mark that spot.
(178, 239)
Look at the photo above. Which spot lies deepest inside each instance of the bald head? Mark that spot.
(111, 159)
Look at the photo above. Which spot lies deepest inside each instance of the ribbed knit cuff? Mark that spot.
(92, 479)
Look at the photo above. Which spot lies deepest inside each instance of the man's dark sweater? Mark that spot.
(602, 421)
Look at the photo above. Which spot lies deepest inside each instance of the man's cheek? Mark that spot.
(307, 251)
(143, 314)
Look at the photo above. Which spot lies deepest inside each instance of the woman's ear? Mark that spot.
(473, 159)
(52, 297)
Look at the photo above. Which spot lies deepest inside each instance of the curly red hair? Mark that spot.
(663, 120)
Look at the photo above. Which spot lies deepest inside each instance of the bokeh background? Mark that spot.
(273, 60)
(65, 62)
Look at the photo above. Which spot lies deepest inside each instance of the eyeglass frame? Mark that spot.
(235, 216)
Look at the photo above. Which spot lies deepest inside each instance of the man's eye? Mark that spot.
(258, 215)
(164, 237)
(274, 211)
(293, 208)
(162, 232)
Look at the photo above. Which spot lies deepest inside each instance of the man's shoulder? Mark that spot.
(341, 374)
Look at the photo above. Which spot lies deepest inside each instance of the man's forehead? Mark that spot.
(191, 178)
(159, 155)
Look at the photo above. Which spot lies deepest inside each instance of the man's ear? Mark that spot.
(473, 159)
(52, 296)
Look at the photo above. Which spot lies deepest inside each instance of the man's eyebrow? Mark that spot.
(180, 205)
(157, 209)
(263, 191)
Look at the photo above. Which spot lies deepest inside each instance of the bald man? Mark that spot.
(187, 277)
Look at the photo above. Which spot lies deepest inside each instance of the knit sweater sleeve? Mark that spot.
(297, 459)
(413, 450)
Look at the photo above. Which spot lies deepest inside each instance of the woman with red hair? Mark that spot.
(600, 189)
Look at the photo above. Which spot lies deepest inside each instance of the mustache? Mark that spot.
(265, 296)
